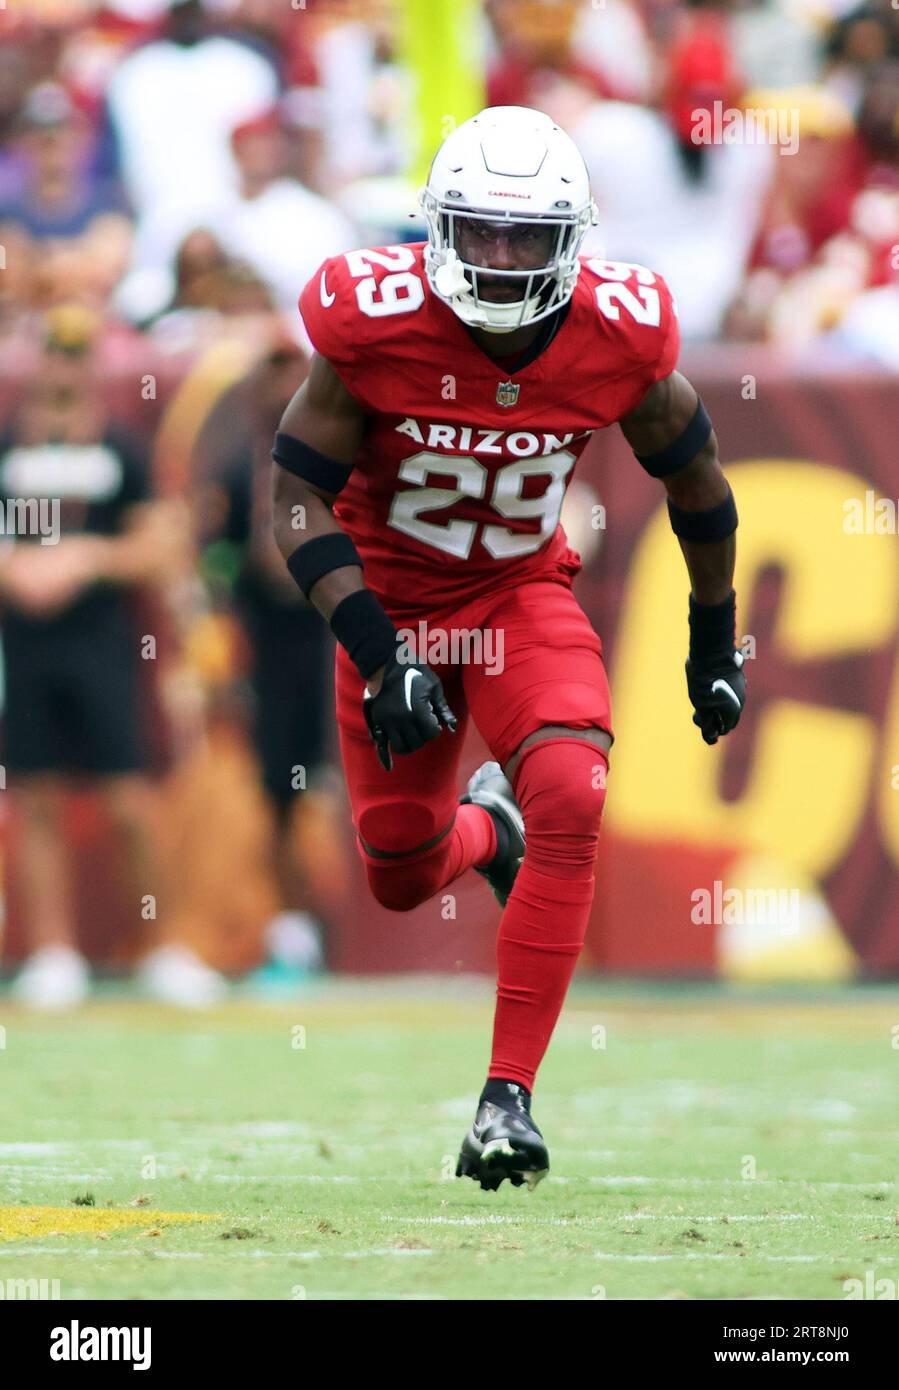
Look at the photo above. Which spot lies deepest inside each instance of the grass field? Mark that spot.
(718, 1145)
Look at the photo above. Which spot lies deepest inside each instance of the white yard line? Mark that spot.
(233, 1253)
(721, 1219)
(822, 1260)
(637, 1179)
(33, 1176)
(703, 1255)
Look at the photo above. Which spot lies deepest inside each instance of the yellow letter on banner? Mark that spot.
(887, 768)
(812, 764)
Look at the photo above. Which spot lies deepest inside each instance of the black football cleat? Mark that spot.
(502, 1143)
(490, 789)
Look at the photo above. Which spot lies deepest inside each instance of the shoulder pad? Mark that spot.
(639, 303)
(350, 298)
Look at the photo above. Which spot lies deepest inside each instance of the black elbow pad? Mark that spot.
(683, 450)
(307, 463)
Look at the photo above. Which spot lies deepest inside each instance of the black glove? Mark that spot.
(717, 689)
(408, 710)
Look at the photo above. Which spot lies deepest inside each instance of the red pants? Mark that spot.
(415, 838)
(551, 673)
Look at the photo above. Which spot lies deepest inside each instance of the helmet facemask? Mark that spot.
(552, 239)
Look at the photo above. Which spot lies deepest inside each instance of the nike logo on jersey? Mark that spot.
(407, 687)
(327, 299)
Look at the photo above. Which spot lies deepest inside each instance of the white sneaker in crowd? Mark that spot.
(176, 975)
(294, 940)
(54, 977)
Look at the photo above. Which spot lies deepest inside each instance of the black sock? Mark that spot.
(503, 838)
(499, 1091)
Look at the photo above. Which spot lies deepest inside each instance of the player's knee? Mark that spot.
(561, 789)
(401, 885)
(399, 828)
(394, 888)
(404, 866)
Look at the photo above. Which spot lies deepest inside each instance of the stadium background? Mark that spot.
(786, 270)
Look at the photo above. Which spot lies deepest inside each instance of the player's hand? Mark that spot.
(717, 689)
(407, 711)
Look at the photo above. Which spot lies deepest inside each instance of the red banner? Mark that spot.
(774, 854)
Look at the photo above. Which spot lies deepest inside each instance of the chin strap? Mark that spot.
(449, 278)
(451, 282)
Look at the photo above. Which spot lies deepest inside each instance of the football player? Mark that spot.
(420, 472)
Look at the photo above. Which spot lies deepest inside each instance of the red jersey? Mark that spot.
(457, 487)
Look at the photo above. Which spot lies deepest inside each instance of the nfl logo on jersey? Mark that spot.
(507, 393)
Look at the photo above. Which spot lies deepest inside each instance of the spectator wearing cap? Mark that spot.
(68, 234)
(173, 104)
(275, 224)
(826, 260)
(58, 198)
(692, 210)
(813, 189)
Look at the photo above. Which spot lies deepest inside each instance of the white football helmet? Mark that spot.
(507, 165)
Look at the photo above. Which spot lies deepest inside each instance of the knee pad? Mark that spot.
(401, 827)
(560, 785)
(408, 880)
(407, 876)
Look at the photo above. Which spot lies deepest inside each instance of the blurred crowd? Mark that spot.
(167, 162)
(171, 174)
